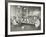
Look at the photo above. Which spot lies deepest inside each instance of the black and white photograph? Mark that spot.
(25, 18)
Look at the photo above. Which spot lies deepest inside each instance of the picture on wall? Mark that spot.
(25, 18)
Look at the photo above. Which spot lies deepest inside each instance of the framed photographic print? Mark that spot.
(25, 18)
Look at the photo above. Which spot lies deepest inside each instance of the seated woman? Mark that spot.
(37, 22)
(14, 21)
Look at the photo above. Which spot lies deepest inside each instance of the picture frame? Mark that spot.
(24, 7)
